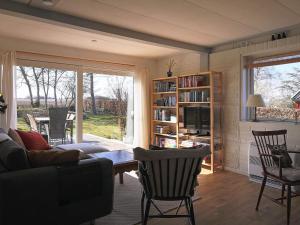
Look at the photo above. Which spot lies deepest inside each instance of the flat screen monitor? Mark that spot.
(197, 118)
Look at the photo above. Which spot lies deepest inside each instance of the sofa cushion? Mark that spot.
(33, 140)
(52, 158)
(16, 137)
(290, 174)
(87, 148)
(4, 137)
(12, 156)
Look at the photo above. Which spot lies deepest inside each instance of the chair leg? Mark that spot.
(191, 211)
(142, 206)
(289, 194)
(261, 191)
(146, 215)
(282, 192)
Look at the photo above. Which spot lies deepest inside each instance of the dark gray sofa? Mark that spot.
(56, 195)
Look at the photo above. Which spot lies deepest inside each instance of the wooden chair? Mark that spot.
(69, 125)
(57, 125)
(32, 123)
(168, 175)
(287, 177)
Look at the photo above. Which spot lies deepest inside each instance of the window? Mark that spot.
(40, 88)
(108, 108)
(277, 80)
(107, 102)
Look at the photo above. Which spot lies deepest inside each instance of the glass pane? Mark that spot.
(108, 110)
(279, 86)
(40, 89)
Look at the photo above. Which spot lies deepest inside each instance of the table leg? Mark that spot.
(121, 178)
(71, 132)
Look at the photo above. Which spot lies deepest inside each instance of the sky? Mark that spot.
(102, 85)
(271, 86)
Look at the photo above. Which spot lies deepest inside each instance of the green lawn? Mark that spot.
(99, 125)
(103, 126)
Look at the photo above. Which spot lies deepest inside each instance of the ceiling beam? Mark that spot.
(20, 9)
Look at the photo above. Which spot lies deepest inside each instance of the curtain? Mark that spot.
(7, 88)
(141, 108)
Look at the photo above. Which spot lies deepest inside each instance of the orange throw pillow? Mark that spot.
(33, 140)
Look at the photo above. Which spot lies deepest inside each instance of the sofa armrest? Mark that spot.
(89, 178)
(26, 193)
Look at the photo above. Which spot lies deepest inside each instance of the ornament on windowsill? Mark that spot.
(3, 106)
(171, 64)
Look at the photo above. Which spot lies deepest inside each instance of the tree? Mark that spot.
(119, 92)
(57, 76)
(89, 88)
(291, 86)
(37, 76)
(67, 89)
(45, 81)
(27, 82)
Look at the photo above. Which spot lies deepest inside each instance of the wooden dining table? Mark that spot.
(41, 120)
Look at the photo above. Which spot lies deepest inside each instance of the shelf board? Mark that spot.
(197, 74)
(165, 78)
(193, 102)
(200, 137)
(166, 92)
(162, 121)
(193, 88)
(164, 107)
(166, 135)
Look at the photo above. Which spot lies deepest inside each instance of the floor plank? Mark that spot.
(229, 199)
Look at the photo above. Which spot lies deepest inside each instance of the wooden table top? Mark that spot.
(45, 119)
(118, 157)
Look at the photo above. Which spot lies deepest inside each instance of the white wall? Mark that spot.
(185, 63)
(237, 134)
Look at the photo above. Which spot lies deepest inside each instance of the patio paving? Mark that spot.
(111, 144)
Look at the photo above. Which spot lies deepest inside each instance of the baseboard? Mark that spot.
(236, 171)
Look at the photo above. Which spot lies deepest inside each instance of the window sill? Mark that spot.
(268, 122)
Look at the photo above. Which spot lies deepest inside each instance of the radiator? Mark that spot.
(255, 168)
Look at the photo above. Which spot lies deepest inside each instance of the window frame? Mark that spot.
(79, 66)
(247, 83)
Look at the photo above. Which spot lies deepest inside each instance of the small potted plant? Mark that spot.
(171, 64)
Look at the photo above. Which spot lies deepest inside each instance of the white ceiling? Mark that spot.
(53, 34)
(202, 22)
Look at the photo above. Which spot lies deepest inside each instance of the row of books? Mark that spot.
(194, 96)
(161, 129)
(166, 101)
(165, 142)
(164, 115)
(165, 86)
(193, 81)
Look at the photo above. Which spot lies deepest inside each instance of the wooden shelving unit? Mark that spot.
(166, 90)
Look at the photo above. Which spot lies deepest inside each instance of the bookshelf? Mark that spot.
(169, 99)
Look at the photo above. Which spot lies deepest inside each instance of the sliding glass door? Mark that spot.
(38, 90)
(100, 104)
(108, 110)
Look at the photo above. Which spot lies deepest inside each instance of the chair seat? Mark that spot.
(290, 174)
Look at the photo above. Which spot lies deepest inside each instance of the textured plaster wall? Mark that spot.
(237, 134)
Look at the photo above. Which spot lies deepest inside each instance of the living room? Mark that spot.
(96, 80)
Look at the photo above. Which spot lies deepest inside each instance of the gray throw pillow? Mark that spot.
(12, 156)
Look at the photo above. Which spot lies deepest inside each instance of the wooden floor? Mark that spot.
(229, 199)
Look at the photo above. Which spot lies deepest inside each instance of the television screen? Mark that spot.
(197, 118)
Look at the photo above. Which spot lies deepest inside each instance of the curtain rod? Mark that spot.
(74, 58)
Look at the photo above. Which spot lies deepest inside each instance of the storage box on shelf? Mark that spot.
(172, 123)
